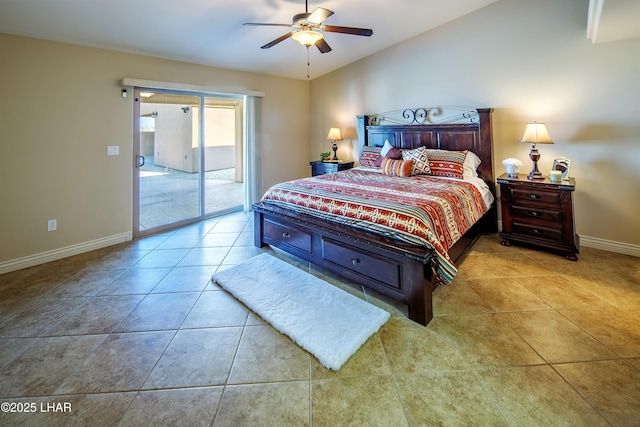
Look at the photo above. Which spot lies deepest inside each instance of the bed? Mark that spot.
(400, 266)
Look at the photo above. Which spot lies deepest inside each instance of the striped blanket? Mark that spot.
(421, 210)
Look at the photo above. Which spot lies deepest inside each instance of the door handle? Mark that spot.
(139, 161)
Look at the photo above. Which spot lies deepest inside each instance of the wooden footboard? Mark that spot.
(401, 272)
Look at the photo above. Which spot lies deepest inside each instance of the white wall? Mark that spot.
(529, 61)
(61, 106)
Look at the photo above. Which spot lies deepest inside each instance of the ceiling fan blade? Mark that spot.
(348, 30)
(276, 41)
(319, 15)
(262, 24)
(323, 46)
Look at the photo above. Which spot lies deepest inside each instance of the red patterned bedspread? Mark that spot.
(420, 210)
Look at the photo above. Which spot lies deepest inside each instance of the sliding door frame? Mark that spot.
(250, 162)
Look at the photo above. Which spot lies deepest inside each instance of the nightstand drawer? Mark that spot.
(327, 168)
(324, 169)
(536, 231)
(532, 195)
(534, 212)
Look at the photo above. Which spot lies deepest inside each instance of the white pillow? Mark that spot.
(470, 166)
(385, 148)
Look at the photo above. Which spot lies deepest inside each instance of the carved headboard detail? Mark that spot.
(439, 128)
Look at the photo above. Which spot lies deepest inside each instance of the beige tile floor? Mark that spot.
(138, 335)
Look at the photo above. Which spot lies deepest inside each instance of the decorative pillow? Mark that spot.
(396, 167)
(420, 160)
(394, 153)
(391, 153)
(471, 163)
(385, 148)
(447, 163)
(368, 156)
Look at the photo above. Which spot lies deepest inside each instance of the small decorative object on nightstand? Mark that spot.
(539, 213)
(327, 168)
(562, 164)
(334, 135)
(512, 166)
(536, 133)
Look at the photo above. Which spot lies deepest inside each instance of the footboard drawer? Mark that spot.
(291, 236)
(385, 271)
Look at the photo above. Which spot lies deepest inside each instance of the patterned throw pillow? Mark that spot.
(368, 156)
(420, 160)
(447, 163)
(393, 167)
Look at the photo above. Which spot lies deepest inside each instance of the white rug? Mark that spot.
(326, 321)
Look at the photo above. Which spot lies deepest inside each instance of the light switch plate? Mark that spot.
(113, 150)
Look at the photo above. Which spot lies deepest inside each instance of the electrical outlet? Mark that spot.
(113, 150)
(52, 225)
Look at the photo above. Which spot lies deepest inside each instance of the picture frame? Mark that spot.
(563, 165)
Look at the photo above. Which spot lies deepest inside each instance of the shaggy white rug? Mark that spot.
(326, 321)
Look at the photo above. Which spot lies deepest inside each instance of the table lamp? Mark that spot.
(334, 135)
(535, 133)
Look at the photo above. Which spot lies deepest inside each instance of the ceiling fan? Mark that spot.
(307, 27)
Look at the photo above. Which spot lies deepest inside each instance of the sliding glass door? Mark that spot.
(223, 154)
(188, 158)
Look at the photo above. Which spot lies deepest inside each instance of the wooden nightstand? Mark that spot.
(540, 213)
(329, 167)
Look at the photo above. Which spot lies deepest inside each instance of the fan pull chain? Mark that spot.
(307, 62)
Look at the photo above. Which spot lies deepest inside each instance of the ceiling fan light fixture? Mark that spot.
(307, 37)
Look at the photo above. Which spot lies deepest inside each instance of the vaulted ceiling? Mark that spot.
(211, 32)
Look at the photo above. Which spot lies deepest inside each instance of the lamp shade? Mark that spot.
(536, 133)
(334, 134)
(307, 37)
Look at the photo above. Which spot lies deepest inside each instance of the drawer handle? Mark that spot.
(356, 261)
(533, 196)
(534, 213)
(286, 235)
(536, 231)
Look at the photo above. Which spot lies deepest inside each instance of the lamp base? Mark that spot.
(534, 176)
(334, 147)
(534, 155)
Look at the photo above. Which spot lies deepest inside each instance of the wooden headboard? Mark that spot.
(440, 128)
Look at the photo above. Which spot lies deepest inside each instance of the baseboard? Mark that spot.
(605, 245)
(610, 245)
(56, 254)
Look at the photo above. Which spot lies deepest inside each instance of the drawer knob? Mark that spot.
(286, 235)
(533, 196)
(534, 213)
(356, 261)
(536, 231)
